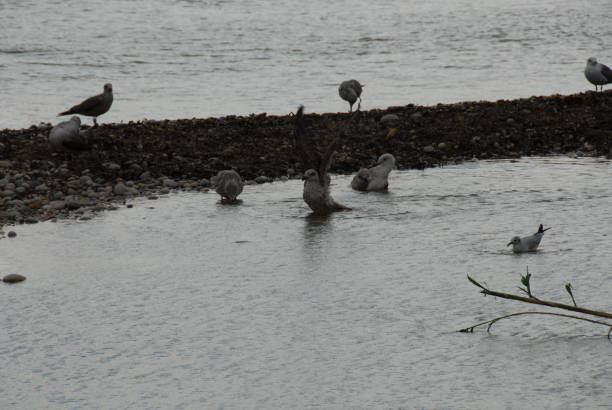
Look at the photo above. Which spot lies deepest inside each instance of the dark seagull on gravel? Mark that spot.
(94, 106)
(598, 74)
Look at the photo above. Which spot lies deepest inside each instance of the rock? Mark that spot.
(261, 179)
(129, 206)
(57, 205)
(145, 176)
(204, 182)
(152, 197)
(170, 183)
(442, 145)
(6, 164)
(389, 119)
(416, 116)
(13, 278)
(41, 188)
(120, 189)
(112, 166)
(86, 180)
(429, 149)
(11, 234)
(588, 147)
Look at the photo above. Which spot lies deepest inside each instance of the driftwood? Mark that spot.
(531, 299)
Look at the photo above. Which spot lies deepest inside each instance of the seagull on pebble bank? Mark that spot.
(94, 106)
(66, 136)
(528, 243)
(598, 74)
(375, 178)
(351, 91)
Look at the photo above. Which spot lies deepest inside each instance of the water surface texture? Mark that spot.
(186, 303)
(183, 59)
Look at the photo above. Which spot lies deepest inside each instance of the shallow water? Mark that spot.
(186, 303)
(183, 59)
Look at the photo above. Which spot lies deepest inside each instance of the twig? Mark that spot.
(491, 322)
(535, 301)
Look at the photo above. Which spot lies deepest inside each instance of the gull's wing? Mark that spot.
(90, 104)
(304, 143)
(605, 70)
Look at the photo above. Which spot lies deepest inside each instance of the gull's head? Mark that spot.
(591, 61)
(310, 175)
(108, 88)
(386, 159)
(76, 119)
(514, 241)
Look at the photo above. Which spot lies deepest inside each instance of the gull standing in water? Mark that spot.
(598, 74)
(528, 243)
(94, 106)
(228, 184)
(375, 178)
(351, 91)
(316, 178)
(66, 136)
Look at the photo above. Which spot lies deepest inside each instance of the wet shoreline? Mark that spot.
(148, 158)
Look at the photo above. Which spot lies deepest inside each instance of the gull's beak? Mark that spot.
(509, 243)
(544, 230)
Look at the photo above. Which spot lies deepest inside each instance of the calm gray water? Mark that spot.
(177, 59)
(186, 303)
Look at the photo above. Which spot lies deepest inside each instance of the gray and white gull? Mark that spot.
(375, 178)
(527, 243)
(66, 136)
(351, 91)
(598, 74)
(228, 184)
(94, 106)
(316, 192)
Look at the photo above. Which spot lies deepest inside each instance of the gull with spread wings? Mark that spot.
(316, 178)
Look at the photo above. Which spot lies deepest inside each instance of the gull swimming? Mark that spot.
(351, 91)
(228, 185)
(316, 178)
(528, 243)
(66, 136)
(94, 106)
(597, 73)
(375, 178)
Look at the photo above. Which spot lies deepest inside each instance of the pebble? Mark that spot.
(389, 119)
(11, 234)
(120, 189)
(170, 183)
(261, 179)
(429, 149)
(13, 278)
(204, 182)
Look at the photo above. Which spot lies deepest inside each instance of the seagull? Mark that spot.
(316, 179)
(94, 106)
(351, 91)
(597, 73)
(228, 185)
(528, 243)
(375, 178)
(66, 136)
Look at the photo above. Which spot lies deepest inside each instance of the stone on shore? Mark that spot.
(13, 278)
